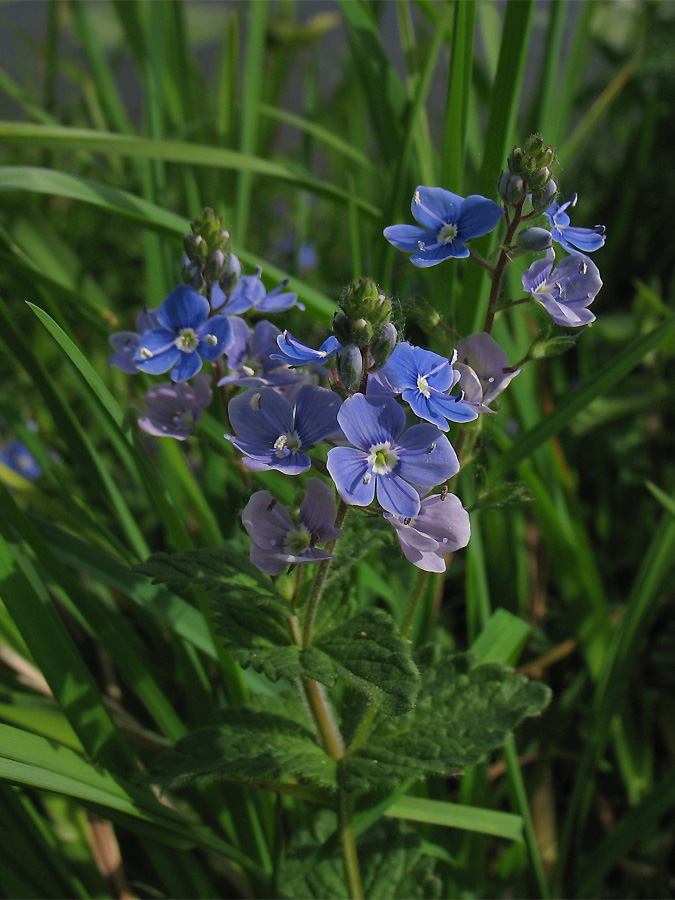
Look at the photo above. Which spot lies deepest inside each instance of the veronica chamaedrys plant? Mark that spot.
(250, 293)
(572, 238)
(484, 370)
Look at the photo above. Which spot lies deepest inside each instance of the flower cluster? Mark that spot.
(370, 411)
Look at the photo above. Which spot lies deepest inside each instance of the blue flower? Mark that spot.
(17, 457)
(249, 360)
(441, 526)
(186, 334)
(386, 461)
(423, 378)
(125, 343)
(574, 240)
(565, 291)
(447, 221)
(274, 435)
(278, 541)
(294, 353)
(250, 293)
(174, 409)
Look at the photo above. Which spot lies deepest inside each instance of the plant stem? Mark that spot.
(498, 272)
(417, 594)
(348, 847)
(317, 587)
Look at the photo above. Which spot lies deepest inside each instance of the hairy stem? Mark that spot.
(319, 580)
(417, 594)
(498, 272)
(348, 847)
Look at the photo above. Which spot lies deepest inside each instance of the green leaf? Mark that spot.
(248, 746)
(462, 714)
(502, 639)
(215, 567)
(370, 655)
(457, 815)
(393, 864)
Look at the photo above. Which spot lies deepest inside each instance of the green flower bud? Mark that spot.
(552, 346)
(342, 328)
(542, 199)
(512, 188)
(350, 366)
(534, 239)
(515, 161)
(383, 345)
(539, 179)
(362, 331)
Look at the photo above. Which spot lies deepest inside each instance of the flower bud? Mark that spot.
(512, 188)
(350, 366)
(424, 314)
(383, 345)
(542, 199)
(362, 331)
(515, 161)
(191, 272)
(534, 239)
(215, 265)
(231, 274)
(342, 328)
(552, 346)
(534, 145)
(539, 179)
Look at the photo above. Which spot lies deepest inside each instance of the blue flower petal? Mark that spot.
(217, 327)
(478, 216)
(397, 496)
(183, 308)
(434, 207)
(427, 258)
(367, 421)
(316, 412)
(348, 467)
(407, 237)
(318, 510)
(188, 364)
(429, 459)
(260, 416)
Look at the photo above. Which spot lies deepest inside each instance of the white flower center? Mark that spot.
(187, 340)
(382, 458)
(287, 443)
(423, 386)
(447, 234)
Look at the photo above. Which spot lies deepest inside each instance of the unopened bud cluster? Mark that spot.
(364, 329)
(529, 172)
(206, 254)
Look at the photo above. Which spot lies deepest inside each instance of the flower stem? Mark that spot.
(348, 846)
(498, 272)
(320, 578)
(417, 594)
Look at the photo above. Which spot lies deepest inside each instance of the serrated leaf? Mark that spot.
(369, 653)
(393, 865)
(462, 714)
(248, 746)
(224, 564)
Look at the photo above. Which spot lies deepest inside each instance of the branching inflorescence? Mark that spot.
(371, 412)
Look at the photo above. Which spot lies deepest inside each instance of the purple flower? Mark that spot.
(447, 221)
(441, 526)
(186, 334)
(125, 343)
(565, 291)
(250, 293)
(294, 353)
(249, 360)
(274, 435)
(384, 460)
(574, 240)
(174, 409)
(423, 378)
(278, 541)
(483, 369)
